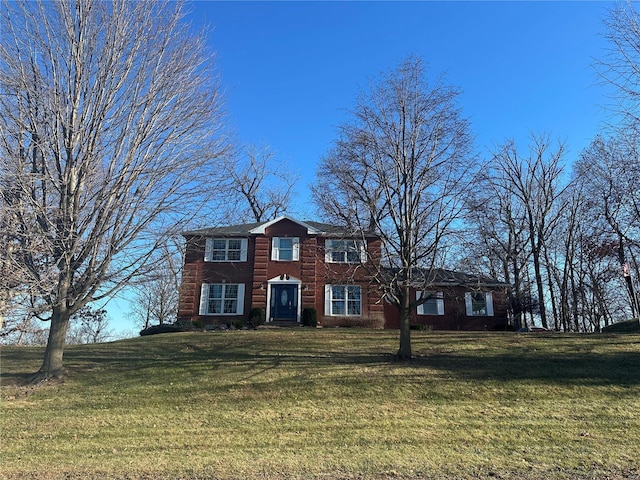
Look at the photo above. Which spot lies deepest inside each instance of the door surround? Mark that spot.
(284, 279)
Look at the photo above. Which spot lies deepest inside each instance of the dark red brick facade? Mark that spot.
(305, 282)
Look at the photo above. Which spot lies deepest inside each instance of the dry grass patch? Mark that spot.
(327, 404)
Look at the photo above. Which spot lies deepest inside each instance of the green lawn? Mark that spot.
(327, 404)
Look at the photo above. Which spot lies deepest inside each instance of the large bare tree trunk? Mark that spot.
(405, 351)
(110, 129)
(52, 365)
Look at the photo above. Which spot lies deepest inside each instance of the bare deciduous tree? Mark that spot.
(534, 180)
(398, 169)
(610, 171)
(109, 120)
(620, 66)
(89, 326)
(262, 187)
(155, 297)
(497, 234)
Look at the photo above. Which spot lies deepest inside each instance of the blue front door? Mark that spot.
(284, 302)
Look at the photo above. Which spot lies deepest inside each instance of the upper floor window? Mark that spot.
(345, 251)
(285, 248)
(479, 304)
(225, 250)
(433, 305)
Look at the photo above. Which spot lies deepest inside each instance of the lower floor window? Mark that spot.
(479, 304)
(433, 305)
(343, 300)
(222, 299)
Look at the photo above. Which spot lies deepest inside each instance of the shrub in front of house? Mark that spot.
(256, 318)
(373, 321)
(238, 324)
(309, 317)
(196, 325)
(165, 328)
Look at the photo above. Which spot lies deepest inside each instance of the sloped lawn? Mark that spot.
(327, 404)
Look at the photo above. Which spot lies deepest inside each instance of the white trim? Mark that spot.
(280, 280)
(204, 299)
(244, 247)
(204, 296)
(439, 297)
(208, 249)
(328, 301)
(295, 249)
(468, 302)
(240, 304)
(488, 298)
(363, 251)
(260, 229)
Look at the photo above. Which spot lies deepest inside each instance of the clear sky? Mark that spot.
(291, 69)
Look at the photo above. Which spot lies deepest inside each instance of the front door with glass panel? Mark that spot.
(284, 302)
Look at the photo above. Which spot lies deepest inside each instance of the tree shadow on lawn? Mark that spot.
(568, 364)
(580, 368)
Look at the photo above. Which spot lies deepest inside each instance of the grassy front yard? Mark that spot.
(327, 404)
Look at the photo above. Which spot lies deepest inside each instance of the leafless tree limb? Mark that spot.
(110, 126)
(398, 168)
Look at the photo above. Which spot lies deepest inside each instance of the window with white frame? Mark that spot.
(479, 304)
(222, 299)
(285, 249)
(345, 251)
(225, 250)
(433, 305)
(343, 300)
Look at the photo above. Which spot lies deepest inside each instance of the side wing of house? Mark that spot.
(455, 307)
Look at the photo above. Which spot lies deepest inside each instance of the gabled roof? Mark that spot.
(258, 228)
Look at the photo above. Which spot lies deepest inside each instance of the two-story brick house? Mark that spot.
(281, 266)
(284, 265)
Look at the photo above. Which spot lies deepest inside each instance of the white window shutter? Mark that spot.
(243, 249)
(275, 246)
(296, 249)
(489, 297)
(208, 249)
(440, 297)
(240, 304)
(204, 299)
(468, 303)
(328, 247)
(363, 251)
(327, 299)
(421, 306)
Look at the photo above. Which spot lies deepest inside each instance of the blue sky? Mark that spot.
(290, 70)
